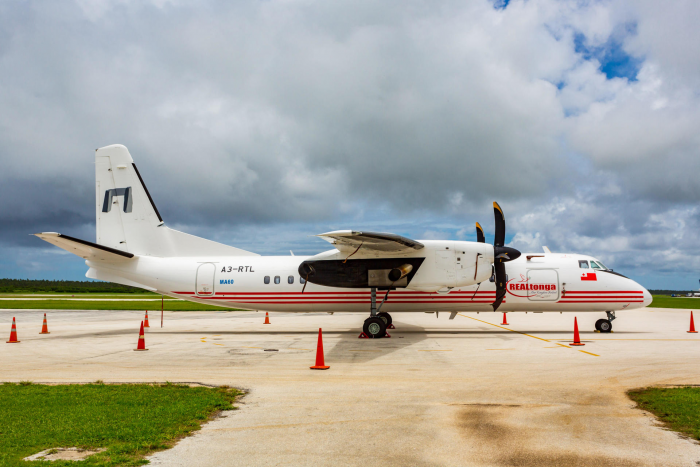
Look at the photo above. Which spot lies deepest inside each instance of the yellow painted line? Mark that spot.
(530, 335)
(218, 344)
(511, 330)
(435, 350)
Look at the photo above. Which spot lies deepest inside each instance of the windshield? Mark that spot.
(597, 265)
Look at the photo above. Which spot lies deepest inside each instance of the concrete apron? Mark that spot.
(439, 392)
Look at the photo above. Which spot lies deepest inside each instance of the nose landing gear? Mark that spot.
(605, 325)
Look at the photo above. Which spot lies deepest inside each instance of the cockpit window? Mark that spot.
(583, 264)
(602, 266)
(594, 265)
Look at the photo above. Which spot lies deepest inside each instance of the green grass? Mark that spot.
(170, 305)
(129, 420)
(150, 296)
(664, 301)
(678, 408)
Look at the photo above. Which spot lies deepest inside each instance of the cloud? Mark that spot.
(283, 118)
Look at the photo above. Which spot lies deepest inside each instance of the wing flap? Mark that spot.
(84, 249)
(348, 241)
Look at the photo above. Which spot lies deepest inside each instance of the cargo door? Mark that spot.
(542, 285)
(204, 281)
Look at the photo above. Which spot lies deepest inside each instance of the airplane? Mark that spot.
(134, 247)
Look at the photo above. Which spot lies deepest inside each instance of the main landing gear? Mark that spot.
(375, 326)
(605, 325)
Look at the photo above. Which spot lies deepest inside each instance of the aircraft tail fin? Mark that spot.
(127, 217)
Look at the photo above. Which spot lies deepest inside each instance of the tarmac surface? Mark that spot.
(437, 393)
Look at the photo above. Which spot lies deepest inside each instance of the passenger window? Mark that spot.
(290, 279)
(594, 265)
(267, 279)
(302, 280)
(277, 279)
(583, 264)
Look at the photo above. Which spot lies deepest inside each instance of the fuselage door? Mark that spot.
(204, 281)
(542, 284)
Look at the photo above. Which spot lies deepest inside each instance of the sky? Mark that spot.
(259, 124)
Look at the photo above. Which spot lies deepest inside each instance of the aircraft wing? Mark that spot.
(348, 241)
(84, 249)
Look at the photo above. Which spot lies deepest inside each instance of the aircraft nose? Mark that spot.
(647, 297)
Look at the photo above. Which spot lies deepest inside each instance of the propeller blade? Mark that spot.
(500, 272)
(480, 234)
(500, 237)
(501, 254)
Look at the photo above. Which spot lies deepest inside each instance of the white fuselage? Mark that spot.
(536, 282)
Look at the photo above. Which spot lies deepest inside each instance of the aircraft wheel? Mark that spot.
(374, 327)
(597, 324)
(605, 325)
(386, 317)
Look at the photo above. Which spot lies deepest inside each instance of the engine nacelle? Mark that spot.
(439, 265)
(453, 264)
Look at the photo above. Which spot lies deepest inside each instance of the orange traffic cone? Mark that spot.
(505, 321)
(45, 327)
(267, 318)
(145, 321)
(692, 324)
(577, 339)
(320, 363)
(13, 333)
(142, 341)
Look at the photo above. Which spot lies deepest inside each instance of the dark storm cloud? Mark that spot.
(285, 118)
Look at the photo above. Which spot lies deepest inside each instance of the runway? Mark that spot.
(438, 392)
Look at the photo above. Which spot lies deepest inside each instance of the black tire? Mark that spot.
(386, 317)
(605, 325)
(597, 324)
(375, 328)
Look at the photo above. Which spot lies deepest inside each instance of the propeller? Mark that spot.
(480, 234)
(501, 254)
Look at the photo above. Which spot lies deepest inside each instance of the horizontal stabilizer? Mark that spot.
(84, 249)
